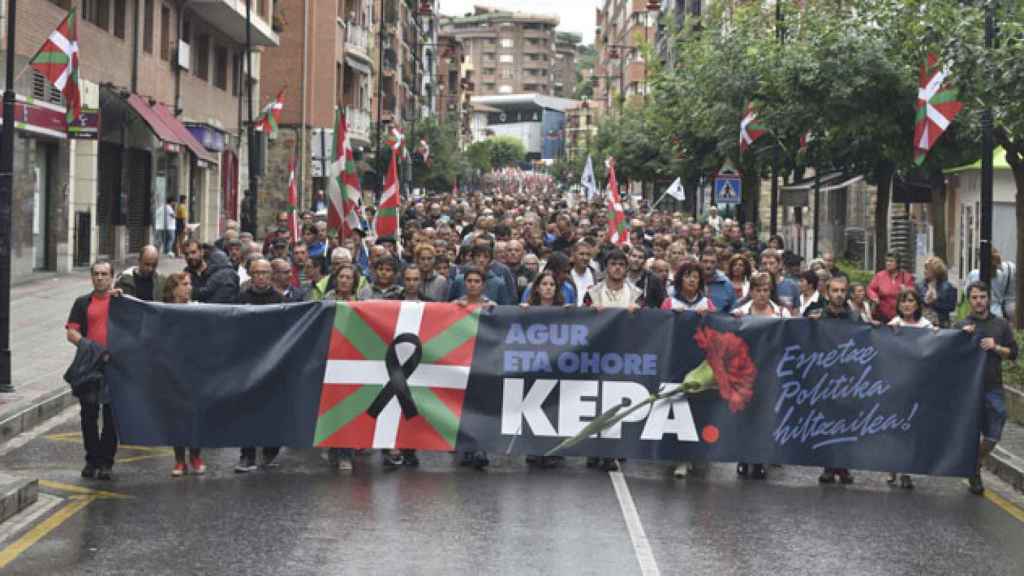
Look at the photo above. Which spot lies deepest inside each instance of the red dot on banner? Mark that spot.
(710, 434)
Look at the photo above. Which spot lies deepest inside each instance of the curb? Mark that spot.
(16, 495)
(1007, 467)
(1014, 404)
(40, 410)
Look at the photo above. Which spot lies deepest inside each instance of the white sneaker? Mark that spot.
(344, 464)
(682, 470)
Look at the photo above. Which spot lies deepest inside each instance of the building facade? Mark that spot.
(536, 120)
(509, 52)
(162, 91)
(564, 70)
(623, 27)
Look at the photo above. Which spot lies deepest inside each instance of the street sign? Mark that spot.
(728, 188)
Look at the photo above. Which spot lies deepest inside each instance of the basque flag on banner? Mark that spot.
(396, 375)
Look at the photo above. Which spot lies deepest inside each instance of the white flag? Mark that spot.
(588, 182)
(676, 190)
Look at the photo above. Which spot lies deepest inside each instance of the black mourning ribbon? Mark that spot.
(398, 375)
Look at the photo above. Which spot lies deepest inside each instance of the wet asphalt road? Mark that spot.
(440, 519)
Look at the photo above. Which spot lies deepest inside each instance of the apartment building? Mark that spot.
(162, 86)
(674, 16)
(564, 69)
(623, 26)
(581, 127)
(509, 52)
(325, 60)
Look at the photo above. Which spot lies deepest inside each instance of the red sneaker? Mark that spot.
(179, 470)
(198, 466)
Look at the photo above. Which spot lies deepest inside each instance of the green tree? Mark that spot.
(478, 157)
(506, 151)
(445, 159)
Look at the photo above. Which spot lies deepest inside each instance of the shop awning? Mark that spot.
(357, 65)
(182, 133)
(153, 120)
(998, 163)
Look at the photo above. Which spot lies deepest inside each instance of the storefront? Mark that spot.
(38, 208)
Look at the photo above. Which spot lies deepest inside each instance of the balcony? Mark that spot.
(358, 125)
(228, 16)
(357, 41)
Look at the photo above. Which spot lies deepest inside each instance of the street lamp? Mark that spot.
(6, 197)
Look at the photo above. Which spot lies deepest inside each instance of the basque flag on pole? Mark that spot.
(618, 226)
(936, 107)
(57, 60)
(396, 375)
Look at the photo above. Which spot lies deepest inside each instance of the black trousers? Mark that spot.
(249, 453)
(99, 447)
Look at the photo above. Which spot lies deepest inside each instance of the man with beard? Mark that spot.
(995, 337)
(652, 288)
(514, 253)
(259, 292)
(837, 309)
(143, 281)
(433, 286)
(195, 264)
(612, 292)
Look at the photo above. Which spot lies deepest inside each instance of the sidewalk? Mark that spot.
(40, 353)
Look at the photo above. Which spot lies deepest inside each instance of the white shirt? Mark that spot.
(805, 302)
(921, 323)
(163, 218)
(583, 283)
(777, 311)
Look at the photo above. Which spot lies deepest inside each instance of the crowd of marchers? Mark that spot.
(533, 247)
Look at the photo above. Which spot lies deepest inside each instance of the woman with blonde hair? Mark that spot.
(938, 296)
(178, 290)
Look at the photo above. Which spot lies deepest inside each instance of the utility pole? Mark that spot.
(986, 163)
(378, 160)
(6, 196)
(780, 33)
(250, 132)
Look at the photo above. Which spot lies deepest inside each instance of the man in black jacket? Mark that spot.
(219, 280)
(259, 292)
(88, 319)
(653, 288)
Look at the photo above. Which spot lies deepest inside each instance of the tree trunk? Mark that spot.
(883, 172)
(1016, 161)
(938, 213)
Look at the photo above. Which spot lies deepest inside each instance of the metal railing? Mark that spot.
(357, 38)
(358, 123)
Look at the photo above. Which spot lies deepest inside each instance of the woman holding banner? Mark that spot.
(689, 290)
(689, 295)
(544, 292)
(474, 279)
(178, 290)
(346, 284)
(909, 312)
(761, 289)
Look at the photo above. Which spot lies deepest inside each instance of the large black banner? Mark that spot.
(509, 380)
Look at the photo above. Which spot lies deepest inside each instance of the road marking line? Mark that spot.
(39, 531)
(1010, 508)
(81, 490)
(642, 547)
(20, 440)
(26, 517)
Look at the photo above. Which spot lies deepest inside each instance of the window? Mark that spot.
(236, 74)
(147, 26)
(165, 32)
(96, 12)
(507, 59)
(505, 89)
(220, 67)
(120, 16)
(203, 56)
(508, 43)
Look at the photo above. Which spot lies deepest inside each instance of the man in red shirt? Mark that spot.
(88, 319)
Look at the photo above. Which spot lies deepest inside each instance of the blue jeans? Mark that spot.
(993, 415)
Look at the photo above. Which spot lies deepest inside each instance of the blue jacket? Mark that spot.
(494, 288)
(568, 292)
(945, 299)
(721, 292)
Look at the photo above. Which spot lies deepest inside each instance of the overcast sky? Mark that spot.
(575, 15)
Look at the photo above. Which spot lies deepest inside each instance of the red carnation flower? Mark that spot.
(729, 358)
